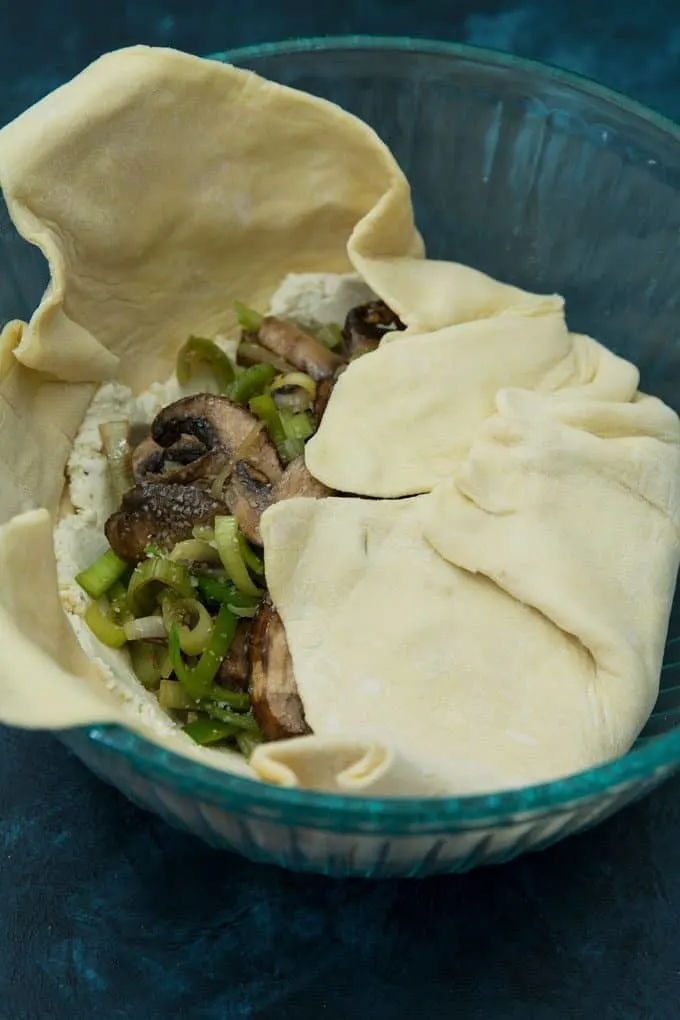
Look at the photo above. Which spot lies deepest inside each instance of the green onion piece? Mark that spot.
(202, 533)
(226, 592)
(172, 696)
(147, 662)
(246, 743)
(297, 426)
(250, 383)
(208, 731)
(197, 350)
(154, 574)
(329, 335)
(226, 538)
(263, 407)
(100, 575)
(248, 317)
(223, 698)
(193, 550)
(152, 550)
(103, 627)
(193, 639)
(241, 722)
(250, 557)
(247, 612)
(115, 436)
(118, 600)
(198, 680)
(298, 379)
(145, 628)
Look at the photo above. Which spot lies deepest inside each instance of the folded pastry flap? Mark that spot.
(46, 679)
(435, 390)
(470, 689)
(161, 187)
(572, 507)
(342, 766)
(39, 417)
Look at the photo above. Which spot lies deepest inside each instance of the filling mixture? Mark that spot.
(181, 584)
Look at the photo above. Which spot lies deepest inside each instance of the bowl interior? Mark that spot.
(540, 179)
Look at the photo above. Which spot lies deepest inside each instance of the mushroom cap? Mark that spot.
(158, 514)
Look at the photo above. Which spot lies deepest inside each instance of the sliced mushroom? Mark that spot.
(151, 462)
(249, 493)
(154, 513)
(277, 705)
(297, 481)
(220, 426)
(235, 669)
(223, 429)
(299, 348)
(366, 325)
(323, 395)
(252, 353)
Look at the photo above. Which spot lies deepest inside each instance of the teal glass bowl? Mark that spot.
(541, 179)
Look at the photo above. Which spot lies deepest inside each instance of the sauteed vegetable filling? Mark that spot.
(182, 584)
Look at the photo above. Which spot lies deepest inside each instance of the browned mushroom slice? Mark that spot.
(297, 481)
(249, 493)
(154, 513)
(234, 672)
(222, 427)
(251, 353)
(299, 348)
(277, 705)
(151, 462)
(323, 395)
(366, 325)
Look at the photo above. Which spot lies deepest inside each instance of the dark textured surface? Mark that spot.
(105, 912)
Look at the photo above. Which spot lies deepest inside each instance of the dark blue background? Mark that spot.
(107, 913)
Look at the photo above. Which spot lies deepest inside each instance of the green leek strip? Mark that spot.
(173, 697)
(263, 407)
(147, 662)
(153, 574)
(242, 722)
(250, 557)
(103, 627)
(297, 426)
(100, 575)
(198, 680)
(245, 612)
(227, 592)
(197, 350)
(246, 743)
(223, 698)
(145, 628)
(193, 639)
(203, 533)
(208, 731)
(299, 379)
(330, 335)
(250, 383)
(115, 437)
(194, 550)
(118, 600)
(226, 538)
(248, 318)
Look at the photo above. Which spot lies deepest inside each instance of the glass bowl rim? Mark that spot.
(322, 810)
